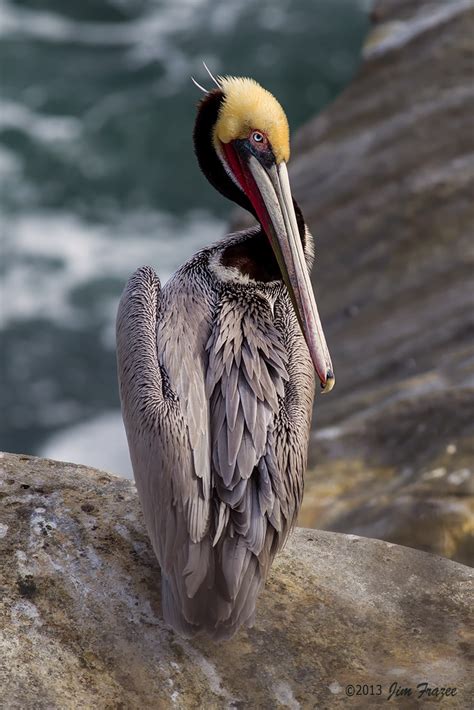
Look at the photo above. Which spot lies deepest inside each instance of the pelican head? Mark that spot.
(242, 142)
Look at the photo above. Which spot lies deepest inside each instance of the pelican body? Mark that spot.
(217, 374)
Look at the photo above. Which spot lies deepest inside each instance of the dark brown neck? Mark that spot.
(253, 257)
(207, 157)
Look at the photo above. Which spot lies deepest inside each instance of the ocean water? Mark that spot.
(97, 176)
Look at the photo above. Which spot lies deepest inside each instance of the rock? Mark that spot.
(81, 624)
(405, 476)
(385, 178)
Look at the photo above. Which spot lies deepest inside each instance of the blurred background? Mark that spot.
(98, 177)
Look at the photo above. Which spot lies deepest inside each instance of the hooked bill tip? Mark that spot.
(330, 382)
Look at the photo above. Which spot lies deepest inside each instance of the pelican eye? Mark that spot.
(257, 137)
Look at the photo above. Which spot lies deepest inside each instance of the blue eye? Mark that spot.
(257, 136)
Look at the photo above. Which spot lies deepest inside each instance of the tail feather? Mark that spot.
(220, 594)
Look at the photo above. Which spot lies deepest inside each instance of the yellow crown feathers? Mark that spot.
(248, 106)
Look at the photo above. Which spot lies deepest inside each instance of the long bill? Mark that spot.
(277, 214)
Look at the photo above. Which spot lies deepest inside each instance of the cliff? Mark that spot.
(385, 179)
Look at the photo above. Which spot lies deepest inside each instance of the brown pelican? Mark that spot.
(216, 373)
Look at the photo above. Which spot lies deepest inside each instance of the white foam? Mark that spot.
(149, 38)
(50, 255)
(51, 129)
(100, 443)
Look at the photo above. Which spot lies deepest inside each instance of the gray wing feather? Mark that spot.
(244, 392)
(182, 333)
(246, 377)
(172, 475)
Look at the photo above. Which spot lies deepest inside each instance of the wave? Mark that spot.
(48, 257)
(100, 443)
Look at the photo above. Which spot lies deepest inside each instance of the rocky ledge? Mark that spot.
(80, 620)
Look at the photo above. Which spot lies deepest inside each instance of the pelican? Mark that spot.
(217, 376)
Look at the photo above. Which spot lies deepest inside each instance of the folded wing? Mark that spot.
(160, 349)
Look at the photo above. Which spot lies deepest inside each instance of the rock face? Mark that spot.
(81, 627)
(402, 474)
(385, 179)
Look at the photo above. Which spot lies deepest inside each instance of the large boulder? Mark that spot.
(81, 626)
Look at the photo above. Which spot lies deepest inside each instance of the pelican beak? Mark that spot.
(275, 209)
